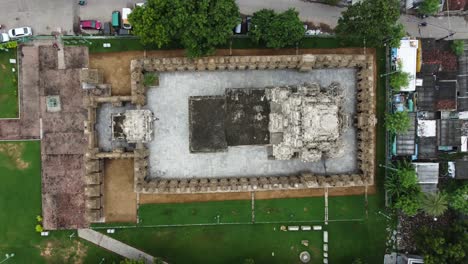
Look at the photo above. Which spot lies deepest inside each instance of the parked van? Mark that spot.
(116, 19)
(125, 13)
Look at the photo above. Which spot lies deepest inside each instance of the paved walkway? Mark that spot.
(114, 245)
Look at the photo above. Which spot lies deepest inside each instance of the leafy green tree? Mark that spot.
(160, 22)
(459, 199)
(39, 228)
(434, 204)
(409, 204)
(444, 245)
(277, 30)
(398, 122)
(399, 79)
(458, 47)
(210, 25)
(199, 25)
(429, 7)
(376, 21)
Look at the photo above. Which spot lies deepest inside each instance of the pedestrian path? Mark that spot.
(114, 245)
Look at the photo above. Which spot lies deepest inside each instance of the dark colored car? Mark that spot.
(90, 24)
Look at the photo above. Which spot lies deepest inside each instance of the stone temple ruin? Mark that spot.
(304, 122)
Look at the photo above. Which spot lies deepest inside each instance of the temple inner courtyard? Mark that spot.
(170, 150)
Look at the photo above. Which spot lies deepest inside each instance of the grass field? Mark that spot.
(20, 202)
(8, 85)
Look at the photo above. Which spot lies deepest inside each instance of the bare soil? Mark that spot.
(120, 200)
(205, 197)
(55, 251)
(14, 152)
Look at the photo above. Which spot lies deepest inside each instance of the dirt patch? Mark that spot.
(3, 66)
(14, 152)
(58, 252)
(115, 66)
(205, 197)
(120, 203)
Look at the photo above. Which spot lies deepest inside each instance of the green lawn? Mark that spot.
(8, 85)
(294, 209)
(20, 202)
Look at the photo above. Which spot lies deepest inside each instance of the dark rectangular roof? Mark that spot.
(405, 143)
(427, 148)
(426, 93)
(461, 169)
(206, 122)
(446, 94)
(449, 132)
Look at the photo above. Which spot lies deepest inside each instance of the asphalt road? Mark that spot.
(47, 16)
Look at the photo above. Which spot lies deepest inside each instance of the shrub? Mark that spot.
(458, 47)
(398, 122)
(150, 79)
(39, 228)
(429, 7)
(434, 204)
(459, 199)
(399, 79)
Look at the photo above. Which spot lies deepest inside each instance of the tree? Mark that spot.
(376, 21)
(160, 22)
(434, 204)
(398, 122)
(445, 245)
(210, 25)
(199, 25)
(429, 7)
(409, 204)
(458, 47)
(399, 79)
(277, 30)
(459, 199)
(39, 228)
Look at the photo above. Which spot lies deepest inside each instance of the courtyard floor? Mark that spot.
(170, 156)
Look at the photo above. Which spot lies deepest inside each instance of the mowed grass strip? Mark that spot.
(346, 207)
(195, 213)
(20, 203)
(264, 243)
(290, 210)
(8, 85)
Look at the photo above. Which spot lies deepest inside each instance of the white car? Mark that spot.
(4, 37)
(20, 32)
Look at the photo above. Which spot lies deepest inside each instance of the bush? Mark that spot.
(150, 79)
(434, 204)
(409, 204)
(39, 228)
(458, 47)
(398, 122)
(459, 199)
(429, 7)
(399, 79)
(39, 218)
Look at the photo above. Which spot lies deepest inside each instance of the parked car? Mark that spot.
(142, 4)
(4, 37)
(116, 19)
(125, 13)
(20, 32)
(90, 24)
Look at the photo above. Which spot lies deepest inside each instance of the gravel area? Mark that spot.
(170, 156)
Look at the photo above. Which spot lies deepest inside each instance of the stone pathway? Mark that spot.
(114, 245)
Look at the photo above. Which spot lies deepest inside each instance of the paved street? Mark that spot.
(47, 16)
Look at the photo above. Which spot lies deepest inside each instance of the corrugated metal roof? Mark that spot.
(427, 172)
(449, 132)
(405, 143)
(461, 169)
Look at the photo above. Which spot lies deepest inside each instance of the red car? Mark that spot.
(90, 24)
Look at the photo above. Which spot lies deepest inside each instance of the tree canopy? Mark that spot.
(199, 25)
(376, 21)
(399, 79)
(398, 122)
(429, 7)
(434, 204)
(277, 30)
(459, 199)
(444, 245)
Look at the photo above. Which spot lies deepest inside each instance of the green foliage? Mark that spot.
(158, 261)
(399, 79)
(444, 245)
(132, 261)
(150, 79)
(458, 47)
(376, 21)
(429, 7)
(8, 45)
(434, 204)
(277, 30)
(249, 261)
(39, 228)
(39, 218)
(398, 122)
(408, 204)
(200, 25)
(459, 199)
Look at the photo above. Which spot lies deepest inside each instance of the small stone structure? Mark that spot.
(326, 106)
(307, 123)
(133, 126)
